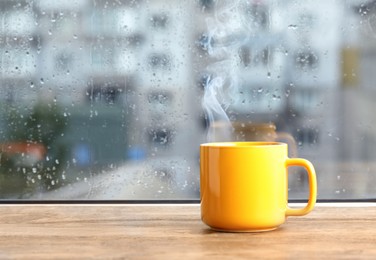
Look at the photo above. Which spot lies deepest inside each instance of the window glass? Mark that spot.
(111, 99)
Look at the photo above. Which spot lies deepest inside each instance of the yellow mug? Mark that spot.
(244, 185)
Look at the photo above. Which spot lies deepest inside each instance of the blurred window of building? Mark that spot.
(159, 21)
(159, 61)
(306, 60)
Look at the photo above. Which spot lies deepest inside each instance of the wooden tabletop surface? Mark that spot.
(124, 231)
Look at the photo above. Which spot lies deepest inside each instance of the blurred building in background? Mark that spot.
(130, 75)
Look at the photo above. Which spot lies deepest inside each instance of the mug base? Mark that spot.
(244, 230)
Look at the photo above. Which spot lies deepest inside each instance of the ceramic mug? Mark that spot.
(244, 185)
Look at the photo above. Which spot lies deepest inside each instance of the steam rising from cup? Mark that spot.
(225, 36)
(214, 103)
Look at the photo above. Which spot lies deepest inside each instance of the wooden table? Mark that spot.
(124, 231)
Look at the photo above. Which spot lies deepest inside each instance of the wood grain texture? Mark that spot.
(176, 232)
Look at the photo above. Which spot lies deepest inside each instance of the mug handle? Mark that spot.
(290, 141)
(312, 186)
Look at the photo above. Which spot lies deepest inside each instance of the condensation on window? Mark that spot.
(111, 99)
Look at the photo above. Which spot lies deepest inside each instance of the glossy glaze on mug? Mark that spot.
(244, 185)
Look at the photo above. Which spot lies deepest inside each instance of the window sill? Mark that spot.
(334, 230)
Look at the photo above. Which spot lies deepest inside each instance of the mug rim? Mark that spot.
(242, 144)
